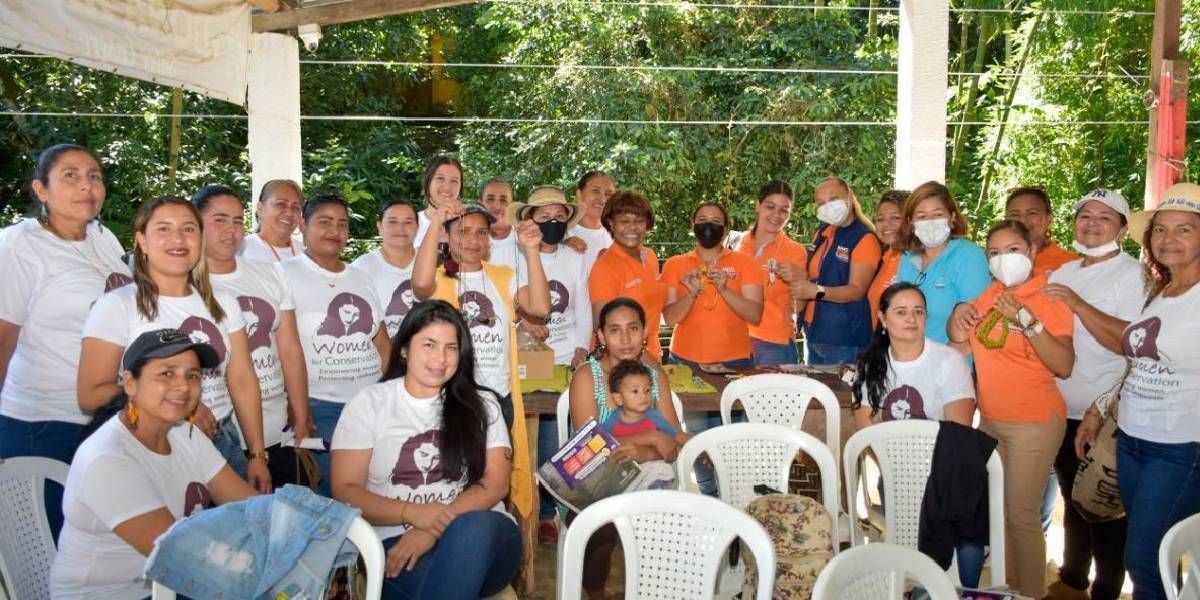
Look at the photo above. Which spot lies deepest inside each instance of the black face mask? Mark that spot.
(708, 235)
(553, 231)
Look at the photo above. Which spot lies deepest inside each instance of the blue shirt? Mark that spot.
(959, 274)
(652, 415)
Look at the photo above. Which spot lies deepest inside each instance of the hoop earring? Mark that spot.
(131, 415)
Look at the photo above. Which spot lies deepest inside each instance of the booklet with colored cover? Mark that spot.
(583, 471)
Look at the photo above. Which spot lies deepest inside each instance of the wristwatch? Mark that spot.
(259, 454)
(820, 293)
(1025, 318)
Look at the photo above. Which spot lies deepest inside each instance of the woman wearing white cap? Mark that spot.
(1104, 291)
(1158, 436)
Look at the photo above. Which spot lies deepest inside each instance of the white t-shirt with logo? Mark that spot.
(403, 434)
(490, 323)
(422, 227)
(393, 287)
(113, 479)
(115, 319)
(256, 248)
(338, 317)
(596, 240)
(1114, 287)
(921, 388)
(506, 251)
(1161, 398)
(263, 294)
(49, 287)
(570, 306)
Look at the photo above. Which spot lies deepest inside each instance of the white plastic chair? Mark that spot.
(1183, 539)
(673, 542)
(783, 399)
(904, 451)
(27, 548)
(880, 572)
(361, 534)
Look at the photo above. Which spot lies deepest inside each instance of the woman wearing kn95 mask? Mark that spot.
(938, 258)
(1021, 340)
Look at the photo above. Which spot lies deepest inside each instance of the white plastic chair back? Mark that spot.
(904, 451)
(1183, 539)
(361, 534)
(881, 572)
(783, 399)
(562, 415)
(673, 542)
(27, 548)
(747, 454)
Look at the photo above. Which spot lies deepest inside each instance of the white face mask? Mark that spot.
(834, 212)
(932, 232)
(1098, 251)
(1011, 268)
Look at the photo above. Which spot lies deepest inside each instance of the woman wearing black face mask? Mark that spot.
(713, 296)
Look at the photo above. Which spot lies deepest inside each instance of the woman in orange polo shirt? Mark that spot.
(1021, 340)
(889, 218)
(773, 339)
(627, 268)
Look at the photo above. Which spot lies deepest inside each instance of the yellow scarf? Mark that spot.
(521, 482)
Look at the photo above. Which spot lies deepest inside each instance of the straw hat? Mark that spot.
(1183, 197)
(543, 195)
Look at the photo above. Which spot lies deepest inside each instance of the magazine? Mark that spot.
(582, 472)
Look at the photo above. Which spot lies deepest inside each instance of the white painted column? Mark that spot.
(273, 105)
(921, 87)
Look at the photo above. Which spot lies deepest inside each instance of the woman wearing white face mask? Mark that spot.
(833, 296)
(938, 258)
(1020, 339)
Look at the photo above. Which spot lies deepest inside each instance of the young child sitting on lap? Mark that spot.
(630, 388)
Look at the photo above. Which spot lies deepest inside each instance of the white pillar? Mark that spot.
(921, 87)
(273, 105)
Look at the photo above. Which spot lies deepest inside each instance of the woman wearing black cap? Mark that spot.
(136, 474)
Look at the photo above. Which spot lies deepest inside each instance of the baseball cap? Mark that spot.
(472, 209)
(161, 343)
(1110, 198)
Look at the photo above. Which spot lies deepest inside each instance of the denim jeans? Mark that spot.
(477, 556)
(1048, 500)
(696, 422)
(829, 354)
(228, 441)
(325, 416)
(769, 354)
(48, 439)
(547, 445)
(1160, 486)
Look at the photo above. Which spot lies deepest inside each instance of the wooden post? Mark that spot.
(1167, 101)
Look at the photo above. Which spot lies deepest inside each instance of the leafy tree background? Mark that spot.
(1030, 64)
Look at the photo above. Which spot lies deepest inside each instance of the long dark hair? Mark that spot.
(46, 162)
(607, 309)
(871, 372)
(464, 417)
(147, 290)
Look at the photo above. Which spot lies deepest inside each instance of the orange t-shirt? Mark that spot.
(1013, 383)
(778, 325)
(711, 332)
(884, 278)
(867, 251)
(1052, 257)
(616, 274)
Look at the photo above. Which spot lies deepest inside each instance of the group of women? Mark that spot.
(404, 362)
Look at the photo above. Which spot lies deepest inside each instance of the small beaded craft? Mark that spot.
(985, 329)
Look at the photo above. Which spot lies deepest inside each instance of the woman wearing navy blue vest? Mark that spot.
(843, 260)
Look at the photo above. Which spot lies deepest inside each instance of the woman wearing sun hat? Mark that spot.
(1158, 436)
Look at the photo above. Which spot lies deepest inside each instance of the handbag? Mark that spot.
(1096, 494)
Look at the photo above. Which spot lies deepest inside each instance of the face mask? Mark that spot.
(834, 212)
(932, 232)
(1010, 269)
(708, 235)
(1098, 251)
(553, 231)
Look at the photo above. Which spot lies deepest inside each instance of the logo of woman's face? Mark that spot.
(471, 311)
(1136, 338)
(251, 323)
(348, 313)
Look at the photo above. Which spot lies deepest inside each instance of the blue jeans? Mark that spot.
(477, 556)
(696, 422)
(1160, 486)
(547, 445)
(48, 439)
(829, 354)
(769, 354)
(325, 416)
(228, 441)
(1048, 501)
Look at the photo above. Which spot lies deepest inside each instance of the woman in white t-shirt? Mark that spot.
(426, 456)
(1158, 434)
(278, 214)
(139, 471)
(54, 268)
(390, 265)
(589, 235)
(496, 197)
(340, 322)
(902, 374)
(442, 184)
(172, 289)
(265, 301)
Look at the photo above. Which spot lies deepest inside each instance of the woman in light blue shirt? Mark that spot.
(948, 268)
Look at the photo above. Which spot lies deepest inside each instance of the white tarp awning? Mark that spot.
(199, 45)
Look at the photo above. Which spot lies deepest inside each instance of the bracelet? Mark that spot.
(259, 454)
(403, 507)
(954, 341)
